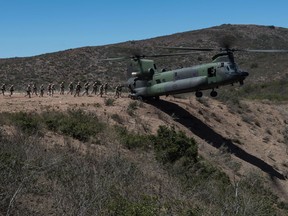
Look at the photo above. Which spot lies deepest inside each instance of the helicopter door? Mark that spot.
(211, 74)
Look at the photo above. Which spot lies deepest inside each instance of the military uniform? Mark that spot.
(118, 90)
(86, 89)
(11, 90)
(42, 90)
(3, 89)
(49, 89)
(53, 89)
(34, 89)
(106, 88)
(78, 89)
(101, 90)
(94, 88)
(62, 88)
(28, 90)
(71, 87)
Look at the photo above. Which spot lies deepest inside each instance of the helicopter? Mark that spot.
(148, 82)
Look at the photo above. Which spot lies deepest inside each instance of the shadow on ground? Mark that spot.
(203, 131)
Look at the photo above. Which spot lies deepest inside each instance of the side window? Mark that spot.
(211, 72)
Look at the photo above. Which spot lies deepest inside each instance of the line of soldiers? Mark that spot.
(32, 89)
(3, 89)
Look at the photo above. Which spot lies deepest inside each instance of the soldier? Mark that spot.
(86, 87)
(42, 90)
(101, 90)
(70, 88)
(78, 89)
(3, 88)
(118, 90)
(94, 88)
(34, 89)
(11, 90)
(28, 90)
(53, 89)
(49, 89)
(62, 88)
(106, 88)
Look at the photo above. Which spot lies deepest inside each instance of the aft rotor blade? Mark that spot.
(228, 49)
(265, 51)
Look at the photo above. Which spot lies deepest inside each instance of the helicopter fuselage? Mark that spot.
(191, 79)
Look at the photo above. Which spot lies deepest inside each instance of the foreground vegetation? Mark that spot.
(107, 170)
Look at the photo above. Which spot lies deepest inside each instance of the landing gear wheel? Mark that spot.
(198, 94)
(213, 93)
(156, 98)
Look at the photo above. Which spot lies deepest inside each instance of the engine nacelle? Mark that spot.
(144, 74)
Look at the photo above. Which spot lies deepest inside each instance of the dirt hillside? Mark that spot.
(241, 138)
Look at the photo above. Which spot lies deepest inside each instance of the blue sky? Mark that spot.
(33, 27)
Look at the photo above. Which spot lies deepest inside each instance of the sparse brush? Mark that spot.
(117, 118)
(109, 102)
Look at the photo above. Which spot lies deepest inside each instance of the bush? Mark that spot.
(170, 146)
(27, 122)
(133, 141)
(109, 102)
(77, 124)
(146, 206)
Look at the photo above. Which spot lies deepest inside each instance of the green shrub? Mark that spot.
(26, 122)
(77, 124)
(133, 141)
(109, 102)
(170, 146)
(146, 206)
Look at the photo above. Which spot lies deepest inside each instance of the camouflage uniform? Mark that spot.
(53, 89)
(86, 87)
(49, 89)
(28, 90)
(11, 90)
(70, 88)
(101, 90)
(3, 89)
(42, 90)
(106, 88)
(34, 89)
(94, 88)
(78, 89)
(62, 88)
(118, 90)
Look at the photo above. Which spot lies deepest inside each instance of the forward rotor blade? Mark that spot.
(190, 48)
(171, 54)
(117, 58)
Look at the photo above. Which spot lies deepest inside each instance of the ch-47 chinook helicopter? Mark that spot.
(148, 82)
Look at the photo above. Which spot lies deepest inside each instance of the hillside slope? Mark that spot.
(249, 137)
(85, 63)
